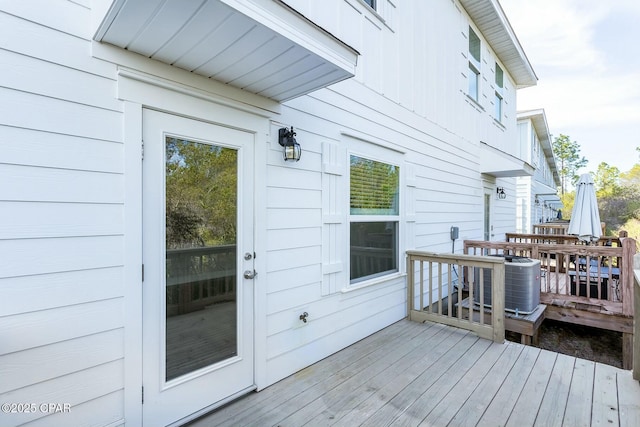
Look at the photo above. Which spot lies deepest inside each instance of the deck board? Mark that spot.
(473, 409)
(293, 402)
(464, 388)
(525, 409)
(323, 408)
(497, 413)
(579, 403)
(443, 341)
(412, 374)
(551, 411)
(605, 397)
(428, 398)
(629, 399)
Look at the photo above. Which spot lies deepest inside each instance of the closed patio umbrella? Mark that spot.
(585, 218)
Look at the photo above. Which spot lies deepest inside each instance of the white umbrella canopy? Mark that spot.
(585, 218)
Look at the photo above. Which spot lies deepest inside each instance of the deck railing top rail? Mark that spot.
(559, 238)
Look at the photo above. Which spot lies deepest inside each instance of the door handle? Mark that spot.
(248, 274)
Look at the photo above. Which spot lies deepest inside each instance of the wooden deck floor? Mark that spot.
(413, 374)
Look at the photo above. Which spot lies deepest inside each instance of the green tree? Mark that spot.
(568, 200)
(618, 196)
(607, 180)
(632, 177)
(567, 153)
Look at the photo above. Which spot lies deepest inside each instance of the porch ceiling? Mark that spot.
(261, 46)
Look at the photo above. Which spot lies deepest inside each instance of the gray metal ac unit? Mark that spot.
(521, 284)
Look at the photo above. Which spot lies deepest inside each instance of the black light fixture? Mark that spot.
(292, 149)
(501, 193)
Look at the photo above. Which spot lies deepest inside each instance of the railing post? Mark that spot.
(628, 299)
(628, 252)
(636, 320)
(410, 286)
(497, 302)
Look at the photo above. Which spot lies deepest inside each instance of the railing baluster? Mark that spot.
(459, 281)
(421, 286)
(440, 288)
(430, 286)
(481, 294)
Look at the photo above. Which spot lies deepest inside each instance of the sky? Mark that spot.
(586, 54)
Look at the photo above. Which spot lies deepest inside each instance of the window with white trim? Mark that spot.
(499, 96)
(374, 218)
(474, 65)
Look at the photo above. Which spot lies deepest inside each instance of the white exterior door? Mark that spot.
(198, 344)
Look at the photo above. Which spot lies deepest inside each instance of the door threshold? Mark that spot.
(213, 407)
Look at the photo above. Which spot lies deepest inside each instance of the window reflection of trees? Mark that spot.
(201, 194)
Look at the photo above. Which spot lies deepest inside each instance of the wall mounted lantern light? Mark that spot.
(292, 149)
(501, 193)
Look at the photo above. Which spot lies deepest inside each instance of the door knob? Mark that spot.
(248, 274)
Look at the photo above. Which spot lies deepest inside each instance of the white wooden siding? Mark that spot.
(42, 363)
(76, 388)
(104, 411)
(66, 288)
(42, 148)
(25, 219)
(61, 218)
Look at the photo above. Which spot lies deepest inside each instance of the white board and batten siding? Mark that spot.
(61, 219)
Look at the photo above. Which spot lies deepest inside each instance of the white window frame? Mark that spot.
(474, 67)
(381, 154)
(499, 94)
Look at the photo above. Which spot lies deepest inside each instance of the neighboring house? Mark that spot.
(537, 196)
(155, 245)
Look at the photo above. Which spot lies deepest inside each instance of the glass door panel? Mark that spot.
(201, 196)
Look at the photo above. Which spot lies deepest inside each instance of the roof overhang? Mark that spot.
(262, 46)
(502, 165)
(544, 191)
(496, 29)
(539, 121)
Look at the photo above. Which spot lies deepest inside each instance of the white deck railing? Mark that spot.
(435, 288)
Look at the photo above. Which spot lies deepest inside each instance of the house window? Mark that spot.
(498, 99)
(374, 218)
(371, 3)
(474, 64)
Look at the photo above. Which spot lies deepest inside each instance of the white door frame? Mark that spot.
(138, 90)
(189, 393)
